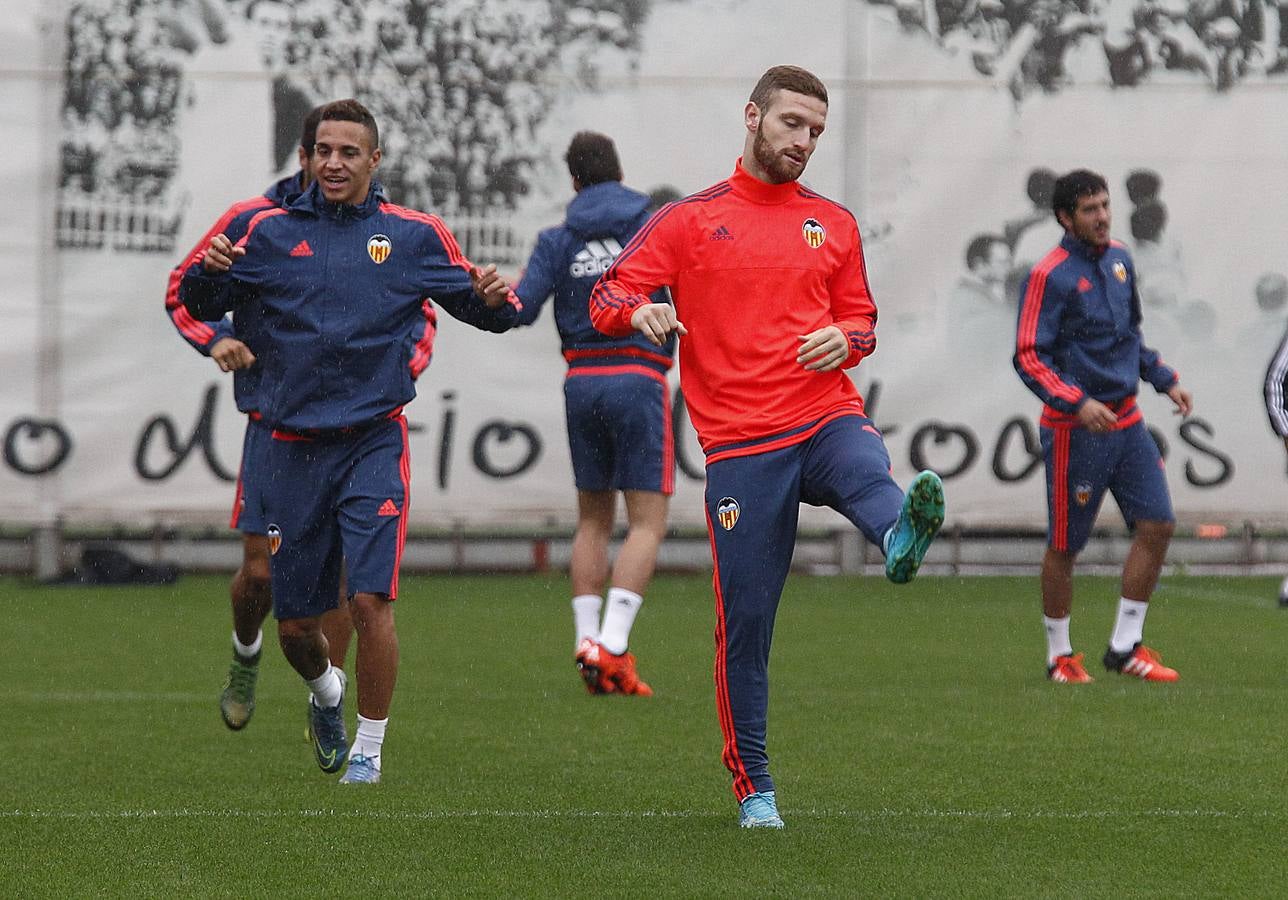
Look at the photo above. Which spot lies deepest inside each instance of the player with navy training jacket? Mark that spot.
(340, 276)
(233, 342)
(1079, 348)
(618, 407)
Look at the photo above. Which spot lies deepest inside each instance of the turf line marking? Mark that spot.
(109, 696)
(1000, 815)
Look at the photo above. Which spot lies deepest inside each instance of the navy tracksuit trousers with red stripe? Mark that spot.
(753, 503)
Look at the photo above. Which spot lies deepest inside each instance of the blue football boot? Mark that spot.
(326, 725)
(759, 810)
(919, 521)
(362, 770)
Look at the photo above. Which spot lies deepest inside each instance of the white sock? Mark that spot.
(327, 688)
(585, 616)
(247, 651)
(1057, 632)
(1129, 625)
(371, 734)
(619, 616)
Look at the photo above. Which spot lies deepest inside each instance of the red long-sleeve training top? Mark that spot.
(751, 267)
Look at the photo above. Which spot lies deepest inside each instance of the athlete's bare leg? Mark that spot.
(1057, 583)
(304, 646)
(1145, 559)
(252, 589)
(337, 625)
(589, 566)
(637, 558)
(377, 659)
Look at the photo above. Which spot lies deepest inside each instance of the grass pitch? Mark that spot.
(917, 747)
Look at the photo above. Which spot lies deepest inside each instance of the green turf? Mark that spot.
(917, 748)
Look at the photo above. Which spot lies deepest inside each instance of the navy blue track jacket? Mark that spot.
(342, 290)
(567, 261)
(245, 325)
(1079, 335)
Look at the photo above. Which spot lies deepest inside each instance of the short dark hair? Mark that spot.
(350, 110)
(1072, 187)
(592, 158)
(786, 78)
(980, 247)
(309, 131)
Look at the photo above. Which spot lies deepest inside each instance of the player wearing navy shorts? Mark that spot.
(229, 342)
(618, 409)
(1079, 347)
(340, 276)
(771, 304)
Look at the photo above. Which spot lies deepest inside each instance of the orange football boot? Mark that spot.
(1069, 670)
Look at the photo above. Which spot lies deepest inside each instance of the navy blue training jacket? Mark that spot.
(567, 261)
(1079, 334)
(343, 295)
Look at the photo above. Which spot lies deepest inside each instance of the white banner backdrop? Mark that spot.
(135, 127)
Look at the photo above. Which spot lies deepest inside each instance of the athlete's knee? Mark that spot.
(1154, 532)
(296, 631)
(1061, 560)
(256, 574)
(646, 532)
(370, 611)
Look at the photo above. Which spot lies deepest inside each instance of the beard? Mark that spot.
(779, 168)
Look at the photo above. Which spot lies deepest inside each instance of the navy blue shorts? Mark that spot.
(248, 505)
(333, 499)
(753, 504)
(1081, 466)
(619, 429)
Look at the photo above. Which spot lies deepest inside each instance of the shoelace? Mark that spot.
(362, 768)
(241, 678)
(327, 724)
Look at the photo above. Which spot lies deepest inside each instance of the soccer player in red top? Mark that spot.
(771, 303)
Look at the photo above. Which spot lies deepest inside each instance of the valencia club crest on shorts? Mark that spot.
(727, 511)
(379, 247)
(1120, 271)
(274, 539)
(1082, 493)
(814, 233)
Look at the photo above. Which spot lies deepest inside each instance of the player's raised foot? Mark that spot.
(1069, 670)
(759, 810)
(237, 702)
(1141, 662)
(362, 770)
(618, 675)
(920, 519)
(1283, 593)
(330, 743)
(587, 660)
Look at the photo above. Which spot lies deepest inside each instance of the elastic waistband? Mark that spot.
(616, 356)
(778, 441)
(1126, 410)
(331, 434)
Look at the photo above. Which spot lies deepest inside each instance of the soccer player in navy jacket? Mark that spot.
(229, 341)
(1078, 347)
(618, 409)
(340, 276)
